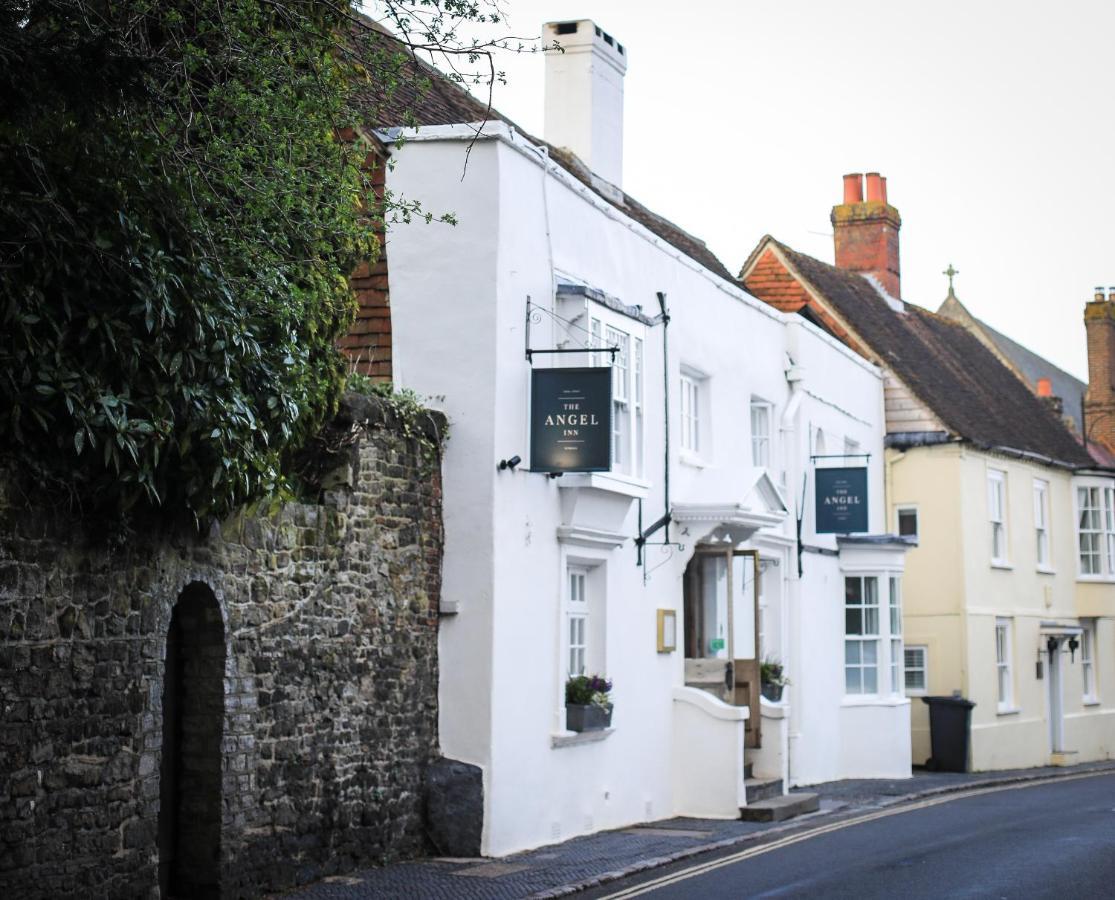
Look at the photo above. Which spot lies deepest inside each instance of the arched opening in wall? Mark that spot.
(193, 723)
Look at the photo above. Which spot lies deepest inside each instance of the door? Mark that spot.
(722, 628)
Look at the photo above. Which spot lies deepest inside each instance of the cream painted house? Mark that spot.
(1008, 599)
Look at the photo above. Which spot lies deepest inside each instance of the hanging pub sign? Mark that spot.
(841, 496)
(571, 420)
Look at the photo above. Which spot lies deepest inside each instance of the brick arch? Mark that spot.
(189, 834)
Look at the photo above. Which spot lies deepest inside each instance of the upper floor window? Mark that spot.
(907, 523)
(760, 433)
(997, 513)
(627, 394)
(693, 389)
(1041, 522)
(1095, 530)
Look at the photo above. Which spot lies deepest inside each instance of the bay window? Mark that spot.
(873, 654)
(1095, 530)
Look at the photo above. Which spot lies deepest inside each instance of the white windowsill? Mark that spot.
(1001, 564)
(1092, 701)
(851, 700)
(576, 738)
(1008, 711)
(1045, 570)
(689, 458)
(1096, 579)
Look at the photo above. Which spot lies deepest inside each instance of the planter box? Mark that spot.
(588, 717)
(773, 692)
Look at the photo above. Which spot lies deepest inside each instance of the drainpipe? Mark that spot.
(787, 426)
(664, 521)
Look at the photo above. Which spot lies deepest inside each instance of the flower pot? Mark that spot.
(587, 717)
(773, 692)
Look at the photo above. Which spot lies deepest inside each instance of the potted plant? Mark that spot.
(772, 679)
(587, 705)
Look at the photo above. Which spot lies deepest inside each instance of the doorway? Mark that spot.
(721, 629)
(193, 723)
(1056, 696)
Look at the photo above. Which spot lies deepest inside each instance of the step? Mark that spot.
(778, 809)
(747, 771)
(762, 788)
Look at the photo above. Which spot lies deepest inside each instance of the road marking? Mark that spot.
(702, 868)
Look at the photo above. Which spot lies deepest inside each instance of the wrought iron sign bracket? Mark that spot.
(534, 314)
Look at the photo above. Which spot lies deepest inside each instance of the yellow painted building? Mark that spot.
(995, 581)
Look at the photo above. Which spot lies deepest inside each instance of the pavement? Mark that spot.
(593, 860)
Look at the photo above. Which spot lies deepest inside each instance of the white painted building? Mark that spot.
(542, 575)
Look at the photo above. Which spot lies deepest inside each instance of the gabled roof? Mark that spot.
(1028, 365)
(425, 96)
(946, 367)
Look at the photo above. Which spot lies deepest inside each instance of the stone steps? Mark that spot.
(778, 809)
(762, 788)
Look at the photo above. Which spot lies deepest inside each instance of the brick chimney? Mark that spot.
(1099, 399)
(584, 95)
(866, 231)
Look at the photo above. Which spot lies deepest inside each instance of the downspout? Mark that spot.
(664, 521)
(787, 426)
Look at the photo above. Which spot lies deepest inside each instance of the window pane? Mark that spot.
(871, 681)
(870, 653)
(853, 681)
(853, 621)
(852, 652)
(853, 591)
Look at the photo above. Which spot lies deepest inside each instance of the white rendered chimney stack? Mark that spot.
(584, 95)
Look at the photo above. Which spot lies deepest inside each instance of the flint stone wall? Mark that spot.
(330, 683)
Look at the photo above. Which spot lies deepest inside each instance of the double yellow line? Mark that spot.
(700, 869)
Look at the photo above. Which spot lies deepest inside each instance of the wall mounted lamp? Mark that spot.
(510, 463)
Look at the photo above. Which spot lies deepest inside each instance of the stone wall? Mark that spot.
(328, 617)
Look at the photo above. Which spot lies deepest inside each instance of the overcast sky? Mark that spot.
(992, 121)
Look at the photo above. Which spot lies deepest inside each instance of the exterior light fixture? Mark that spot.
(510, 463)
(1073, 644)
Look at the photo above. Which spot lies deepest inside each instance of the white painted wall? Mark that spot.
(458, 306)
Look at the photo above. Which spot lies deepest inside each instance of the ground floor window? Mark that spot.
(576, 621)
(917, 676)
(873, 661)
(1003, 663)
(1088, 660)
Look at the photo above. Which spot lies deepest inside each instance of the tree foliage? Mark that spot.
(177, 223)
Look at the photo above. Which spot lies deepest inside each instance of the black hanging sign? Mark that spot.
(571, 420)
(841, 496)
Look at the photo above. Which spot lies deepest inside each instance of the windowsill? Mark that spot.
(576, 738)
(1008, 711)
(615, 482)
(1096, 579)
(1045, 570)
(1091, 701)
(1001, 564)
(874, 700)
(689, 458)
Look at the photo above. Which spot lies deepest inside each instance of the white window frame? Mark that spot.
(693, 422)
(1088, 660)
(1041, 525)
(1004, 664)
(628, 388)
(864, 639)
(997, 512)
(576, 622)
(1094, 506)
(922, 651)
(898, 512)
(762, 443)
(894, 629)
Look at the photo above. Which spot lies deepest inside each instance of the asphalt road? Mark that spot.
(1053, 840)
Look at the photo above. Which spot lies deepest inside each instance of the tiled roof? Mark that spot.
(945, 366)
(443, 102)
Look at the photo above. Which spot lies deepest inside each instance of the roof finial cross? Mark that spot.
(950, 271)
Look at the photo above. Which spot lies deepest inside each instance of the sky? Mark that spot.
(991, 119)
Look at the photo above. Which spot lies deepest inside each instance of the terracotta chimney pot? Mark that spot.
(875, 188)
(1045, 387)
(853, 188)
